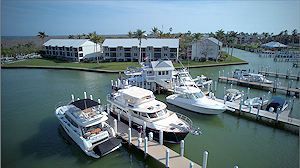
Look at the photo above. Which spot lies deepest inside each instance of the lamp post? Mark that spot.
(140, 44)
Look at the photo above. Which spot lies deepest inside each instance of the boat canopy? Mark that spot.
(85, 103)
(278, 100)
(136, 92)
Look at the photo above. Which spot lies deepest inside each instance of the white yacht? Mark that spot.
(85, 122)
(139, 105)
(192, 98)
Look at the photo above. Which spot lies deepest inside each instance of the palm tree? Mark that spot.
(139, 34)
(96, 39)
(155, 31)
(294, 34)
(170, 29)
(42, 36)
(71, 36)
(130, 34)
(220, 35)
(197, 36)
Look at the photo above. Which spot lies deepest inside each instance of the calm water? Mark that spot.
(31, 136)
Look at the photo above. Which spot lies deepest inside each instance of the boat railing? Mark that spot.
(61, 103)
(193, 130)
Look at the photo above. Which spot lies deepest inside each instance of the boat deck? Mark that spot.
(155, 150)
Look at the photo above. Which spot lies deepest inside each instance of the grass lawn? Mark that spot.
(115, 66)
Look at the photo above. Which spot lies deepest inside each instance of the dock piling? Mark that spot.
(144, 127)
(231, 86)
(72, 97)
(146, 145)
(167, 158)
(241, 102)
(204, 163)
(129, 136)
(119, 117)
(150, 136)
(161, 137)
(115, 125)
(91, 97)
(259, 107)
(85, 95)
(181, 148)
(107, 109)
(140, 142)
(78, 98)
(129, 120)
(235, 167)
(216, 85)
(225, 99)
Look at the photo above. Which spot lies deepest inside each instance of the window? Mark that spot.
(80, 48)
(127, 55)
(46, 47)
(159, 72)
(173, 49)
(75, 49)
(60, 53)
(157, 49)
(135, 54)
(167, 72)
(112, 49)
(80, 55)
(67, 48)
(143, 49)
(53, 48)
(106, 54)
(68, 54)
(163, 72)
(127, 49)
(76, 55)
(152, 115)
(71, 121)
(144, 115)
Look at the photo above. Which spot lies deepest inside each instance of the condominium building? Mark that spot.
(208, 48)
(129, 49)
(72, 49)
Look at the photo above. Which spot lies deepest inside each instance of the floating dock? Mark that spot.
(274, 87)
(281, 75)
(166, 156)
(283, 117)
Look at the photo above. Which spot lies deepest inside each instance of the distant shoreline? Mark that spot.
(104, 70)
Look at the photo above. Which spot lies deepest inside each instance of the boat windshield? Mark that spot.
(198, 95)
(157, 114)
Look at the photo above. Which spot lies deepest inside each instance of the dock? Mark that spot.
(287, 75)
(154, 149)
(274, 87)
(283, 117)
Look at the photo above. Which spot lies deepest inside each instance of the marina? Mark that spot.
(281, 75)
(273, 87)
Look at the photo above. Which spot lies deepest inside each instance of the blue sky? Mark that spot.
(118, 17)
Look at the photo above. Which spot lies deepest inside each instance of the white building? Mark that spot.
(204, 49)
(151, 48)
(72, 49)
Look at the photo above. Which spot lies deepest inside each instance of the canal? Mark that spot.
(31, 136)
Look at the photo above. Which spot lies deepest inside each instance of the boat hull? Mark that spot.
(194, 108)
(169, 137)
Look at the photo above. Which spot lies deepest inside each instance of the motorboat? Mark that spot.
(86, 123)
(137, 105)
(251, 77)
(255, 102)
(233, 95)
(277, 104)
(193, 99)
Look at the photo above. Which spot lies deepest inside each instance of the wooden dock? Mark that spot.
(274, 87)
(282, 117)
(281, 75)
(155, 150)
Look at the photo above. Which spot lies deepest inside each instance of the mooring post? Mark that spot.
(115, 125)
(224, 90)
(108, 109)
(208, 88)
(129, 136)
(129, 120)
(72, 97)
(292, 106)
(85, 97)
(91, 97)
(262, 101)
(235, 167)
(150, 136)
(191, 164)
(223, 73)
(250, 109)
(231, 86)
(225, 99)
(167, 158)
(144, 127)
(204, 163)
(257, 115)
(112, 84)
(248, 92)
(78, 98)
(161, 137)
(216, 85)
(119, 116)
(99, 101)
(277, 114)
(241, 102)
(146, 145)
(181, 148)
(140, 142)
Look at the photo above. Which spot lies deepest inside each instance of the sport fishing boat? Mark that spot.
(139, 105)
(192, 98)
(233, 95)
(85, 122)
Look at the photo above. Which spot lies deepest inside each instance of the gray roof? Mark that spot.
(158, 43)
(68, 42)
(274, 44)
(162, 65)
(215, 41)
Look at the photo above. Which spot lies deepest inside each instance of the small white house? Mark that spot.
(204, 49)
(72, 49)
